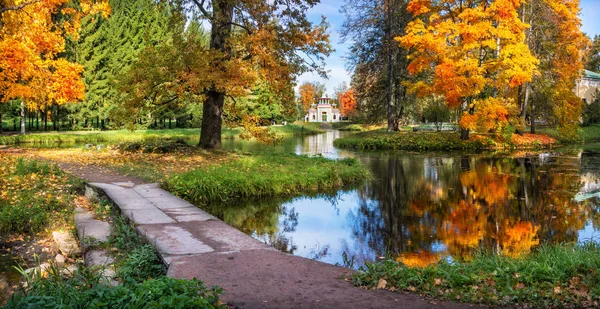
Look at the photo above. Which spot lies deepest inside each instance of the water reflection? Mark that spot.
(422, 208)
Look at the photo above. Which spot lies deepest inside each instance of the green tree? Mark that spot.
(107, 48)
(593, 63)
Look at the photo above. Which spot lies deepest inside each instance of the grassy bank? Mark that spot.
(587, 134)
(251, 176)
(407, 141)
(119, 136)
(557, 276)
(430, 141)
(35, 197)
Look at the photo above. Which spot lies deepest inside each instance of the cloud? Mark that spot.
(336, 74)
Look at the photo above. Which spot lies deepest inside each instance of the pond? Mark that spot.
(423, 207)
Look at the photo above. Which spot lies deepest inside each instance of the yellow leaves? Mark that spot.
(382, 283)
(30, 41)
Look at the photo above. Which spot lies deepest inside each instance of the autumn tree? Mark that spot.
(348, 103)
(252, 39)
(555, 38)
(32, 38)
(475, 53)
(379, 64)
(307, 94)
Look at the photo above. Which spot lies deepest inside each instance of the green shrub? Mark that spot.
(141, 264)
(591, 112)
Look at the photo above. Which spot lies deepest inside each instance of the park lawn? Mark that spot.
(119, 136)
(552, 276)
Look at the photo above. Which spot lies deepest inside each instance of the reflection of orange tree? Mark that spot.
(506, 205)
(519, 238)
(421, 259)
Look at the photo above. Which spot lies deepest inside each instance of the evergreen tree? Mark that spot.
(107, 48)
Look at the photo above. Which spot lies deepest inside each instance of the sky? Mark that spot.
(590, 16)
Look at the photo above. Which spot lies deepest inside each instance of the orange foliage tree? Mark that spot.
(567, 63)
(473, 51)
(307, 95)
(31, 43)
(348, 103)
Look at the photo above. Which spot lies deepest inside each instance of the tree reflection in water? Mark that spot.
(423, 208)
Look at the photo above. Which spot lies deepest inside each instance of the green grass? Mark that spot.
(135, 259)
(298, 129)
(34, 196)
(259, 175)
(352, 127)
(587, 134)
(119, 136)
(554, 276)
(86, 290)
(407, 141)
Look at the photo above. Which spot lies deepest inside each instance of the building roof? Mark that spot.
(590, 74)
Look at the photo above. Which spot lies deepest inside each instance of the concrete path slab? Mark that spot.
(147, 216)
(188, 214)
(166, 202)
(171, 239)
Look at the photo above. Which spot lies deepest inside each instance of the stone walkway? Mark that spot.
(194, 244)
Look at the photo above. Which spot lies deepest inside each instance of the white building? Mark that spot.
(323, 111)
(587, 86)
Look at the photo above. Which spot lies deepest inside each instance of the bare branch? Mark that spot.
(200, 5)
(17, 7)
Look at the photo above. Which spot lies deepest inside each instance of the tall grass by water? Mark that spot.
(553, 276)
(265, 175)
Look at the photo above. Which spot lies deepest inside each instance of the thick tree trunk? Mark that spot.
(464, 134)
(22, 117)
(212, 120)
(212, 117)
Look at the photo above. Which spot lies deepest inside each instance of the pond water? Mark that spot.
(420, 208)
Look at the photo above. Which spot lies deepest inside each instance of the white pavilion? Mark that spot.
(323, 111)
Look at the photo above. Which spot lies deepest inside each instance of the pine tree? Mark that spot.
(108, 48)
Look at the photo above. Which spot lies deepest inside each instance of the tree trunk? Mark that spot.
(22, 117)
(1, 124)
(532, 118)
(210, 135)
(391, 111)
(212, 118)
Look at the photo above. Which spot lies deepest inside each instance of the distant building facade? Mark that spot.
(323, 111)
(587, 86)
